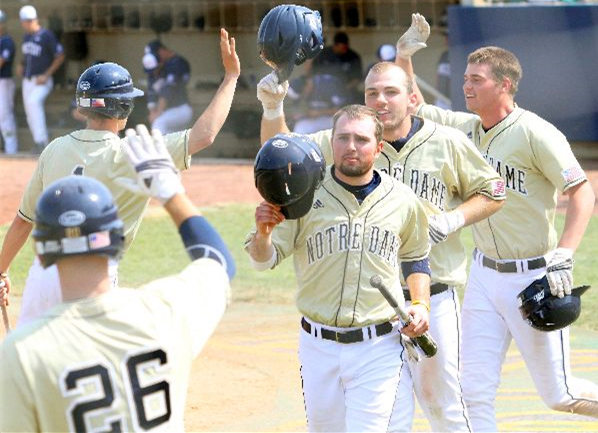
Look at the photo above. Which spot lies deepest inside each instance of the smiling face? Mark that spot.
(355, 148)
(480, 88)
(387, 91)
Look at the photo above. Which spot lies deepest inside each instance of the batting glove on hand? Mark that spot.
(559, 272)
(271, 94)
(443, 224)
(414, 39)
(157, 176)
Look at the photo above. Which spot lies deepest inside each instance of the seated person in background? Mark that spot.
(172, 111)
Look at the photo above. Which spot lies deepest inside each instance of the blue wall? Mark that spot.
(558, 50)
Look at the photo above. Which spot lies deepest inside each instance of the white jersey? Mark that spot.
(444, 169)
(535, 160)
(117, 362)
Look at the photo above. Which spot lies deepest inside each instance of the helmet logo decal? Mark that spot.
(71, 218)
(539, 296)
(280, 144)
(84, 85)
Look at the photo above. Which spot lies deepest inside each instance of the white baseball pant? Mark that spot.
(436, 380)
(42, 290)
(8, 124)
(349, 387)
(173, 119)
(491, 318)
(34, 97)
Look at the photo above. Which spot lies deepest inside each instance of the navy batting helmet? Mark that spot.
(107, 88)
(76, 215)
(288, 36)
(546, 312)
(288, 169)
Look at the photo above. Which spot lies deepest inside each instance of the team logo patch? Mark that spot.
(99, 240)
(498, 188)
(84, 85)
(71, 218)
(280, 144)
(572, 174)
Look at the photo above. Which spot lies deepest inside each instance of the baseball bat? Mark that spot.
(425, 341)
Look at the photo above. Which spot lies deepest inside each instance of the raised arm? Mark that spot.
(410, 42)
(208, 125)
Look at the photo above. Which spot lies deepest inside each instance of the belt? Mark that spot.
(354, 336)
(512, 266)
(435, 289)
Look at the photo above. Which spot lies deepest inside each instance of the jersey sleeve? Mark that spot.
(32, 192)
(17, 410)
(198, 296)
(54, 45)
(414, 233)
(554, 157)
(475, 175)
(323, 139)
(456, 119)
(177, 144)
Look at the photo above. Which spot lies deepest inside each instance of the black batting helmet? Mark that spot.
(288, 169)
(107, 88)
(546, 312)
(288, 36)
(76, 215)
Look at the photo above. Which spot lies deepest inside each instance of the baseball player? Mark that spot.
(105, 95)
(42, 56)
(124, 356)
(172, 111)
(519, 244)
(362, 222)
(457, 187)
(8, 125)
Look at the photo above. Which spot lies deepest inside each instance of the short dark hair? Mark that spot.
(341, 38)
(357, 111)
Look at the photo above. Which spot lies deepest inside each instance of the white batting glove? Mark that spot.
(271, 94)
(443, 224)
(414, 39)
(559, 272)
(157, 176)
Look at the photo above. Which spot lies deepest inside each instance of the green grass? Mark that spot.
(158, 251)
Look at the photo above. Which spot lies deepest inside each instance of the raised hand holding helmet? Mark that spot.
(271, 94)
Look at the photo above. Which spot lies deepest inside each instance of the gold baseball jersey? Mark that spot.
(444, 169)
(97, 154)
(340, 244)
(116, 362)
(535, 161)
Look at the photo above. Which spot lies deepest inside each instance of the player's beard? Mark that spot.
(355, 170)
(394, 124)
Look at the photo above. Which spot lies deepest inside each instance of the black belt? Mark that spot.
(511, 267)
(354, 336)
(435, 289)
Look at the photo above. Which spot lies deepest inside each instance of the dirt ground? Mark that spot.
(247, 377)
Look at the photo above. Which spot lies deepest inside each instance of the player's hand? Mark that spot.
(41, 79)
(4, 290)
(443, 224)
(420, 321)
(559, 272)
(157, 176)
(414, 39)
(271, 94)
(230, 59)
(267, 216)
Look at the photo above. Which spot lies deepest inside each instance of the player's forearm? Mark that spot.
(180, 208)
(208, 125)
(578, 214)
(271, 127)
(58, 60)
(260, 248)
(418, 284)
(407, 65)
(479, 207)
(15, 238)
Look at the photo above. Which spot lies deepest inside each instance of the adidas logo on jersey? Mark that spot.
(318, 204)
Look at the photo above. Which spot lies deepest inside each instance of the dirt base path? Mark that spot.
(247, 376)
